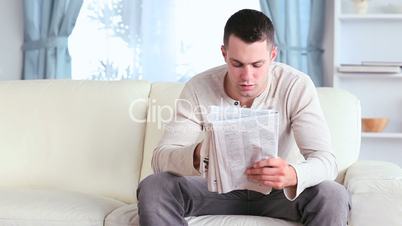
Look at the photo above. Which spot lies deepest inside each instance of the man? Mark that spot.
(302, 191)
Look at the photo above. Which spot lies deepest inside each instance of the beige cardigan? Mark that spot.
(289, 91)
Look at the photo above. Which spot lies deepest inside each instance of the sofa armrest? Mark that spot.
(374, 176)
(376, 191)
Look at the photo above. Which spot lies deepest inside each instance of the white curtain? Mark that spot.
(125, 39)
(158, 47)
(154, 40)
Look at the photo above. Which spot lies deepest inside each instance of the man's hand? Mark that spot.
(273, 172)
(196, 157)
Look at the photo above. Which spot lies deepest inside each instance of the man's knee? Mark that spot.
(332, 195)
(159, 200)
(156, 184)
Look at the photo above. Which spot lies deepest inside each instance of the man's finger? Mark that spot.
(263, 170)
(272, 162)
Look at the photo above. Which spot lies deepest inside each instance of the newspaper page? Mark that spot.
(235, 139)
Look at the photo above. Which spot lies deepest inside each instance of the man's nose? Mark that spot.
(246, 72)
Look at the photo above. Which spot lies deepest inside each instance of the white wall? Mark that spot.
(11, 39)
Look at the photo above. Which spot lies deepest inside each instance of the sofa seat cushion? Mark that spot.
(32, 207)
(127, 216)
(237, 220)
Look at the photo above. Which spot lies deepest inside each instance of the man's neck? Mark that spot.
(246, 101)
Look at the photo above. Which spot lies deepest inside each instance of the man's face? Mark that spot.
(248, 64)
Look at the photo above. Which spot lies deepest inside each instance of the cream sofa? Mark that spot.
(72, 153)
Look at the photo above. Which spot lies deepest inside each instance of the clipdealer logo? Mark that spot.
(166, 113)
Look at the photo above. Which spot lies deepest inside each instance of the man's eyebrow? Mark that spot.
(238, 61)
(258, 61)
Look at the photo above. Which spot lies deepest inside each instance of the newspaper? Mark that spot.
(235, 139)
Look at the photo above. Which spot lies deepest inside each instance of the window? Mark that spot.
(168, 40)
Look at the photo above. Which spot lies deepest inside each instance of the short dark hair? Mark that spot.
(250, 26)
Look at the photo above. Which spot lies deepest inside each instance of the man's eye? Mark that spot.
(257, 65)
(237, 65)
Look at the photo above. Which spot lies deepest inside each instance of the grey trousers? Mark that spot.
(166, 199)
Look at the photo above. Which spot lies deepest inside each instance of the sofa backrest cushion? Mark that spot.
(73, 135)
(341, 110)
(343, 114)
(160, 111)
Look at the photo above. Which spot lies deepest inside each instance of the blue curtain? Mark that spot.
(48, 23)
(299, 33)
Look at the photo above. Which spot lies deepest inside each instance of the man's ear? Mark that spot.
(223, 50)
(274, 53)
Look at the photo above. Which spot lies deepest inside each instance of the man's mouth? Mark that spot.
(246, 87)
